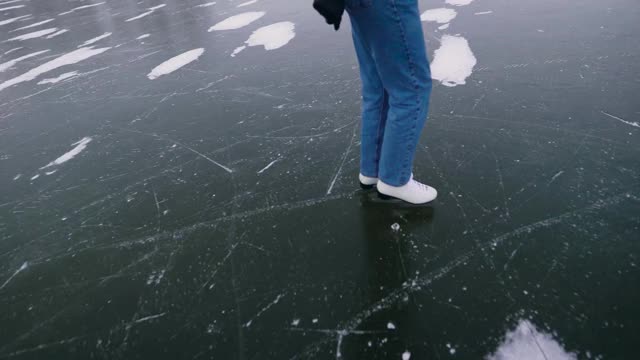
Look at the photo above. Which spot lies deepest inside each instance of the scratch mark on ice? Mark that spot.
(151, 317)
(344, 158)
(634, 124)
(81, 7)
(22, 268)
(274, 302)
(268, 166)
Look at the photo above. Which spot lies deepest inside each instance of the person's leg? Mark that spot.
(393, 32)
(375, 100)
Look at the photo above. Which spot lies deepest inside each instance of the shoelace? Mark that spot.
(423, 186)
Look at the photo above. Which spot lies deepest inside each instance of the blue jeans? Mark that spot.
(396, 84)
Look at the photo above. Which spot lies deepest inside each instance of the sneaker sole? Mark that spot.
(395, 200)
(366, 187)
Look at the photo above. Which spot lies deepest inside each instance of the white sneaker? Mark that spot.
(412, 192)
(367, 182)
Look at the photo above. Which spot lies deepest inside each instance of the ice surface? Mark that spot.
(237, 21)
(453, 62)
(175, 63)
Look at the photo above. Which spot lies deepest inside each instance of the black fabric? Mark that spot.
(332, 11)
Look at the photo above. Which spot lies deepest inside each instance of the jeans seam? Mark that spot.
(378, 140)
(407, 152)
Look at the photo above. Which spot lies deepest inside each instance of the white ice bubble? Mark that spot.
(237, 21)
(453, 62)
(526, 342)
(175, 63)
(406, 355)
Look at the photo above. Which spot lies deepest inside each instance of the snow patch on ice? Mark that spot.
(459, 2)
(153, 8)
(95, 39)
(81, 7)
(484, 13)
(248, 3)
(143, 36)
(272, 36)
(391, 326)
(12, 7)
(35, 177)
(140, 16)
(9, 2)
(33, 25)
(406, 355)
(526, 342)
(9, 21)
(175, 63)
(443, 27)
(206, 4)
(59, 78)
(237, 21)
(17, 177)
(66, 59)
(441, 15)
(12, 50)
(33, 35)
(57, 33)
(10, 63)
(453, 62)
(80, 146)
